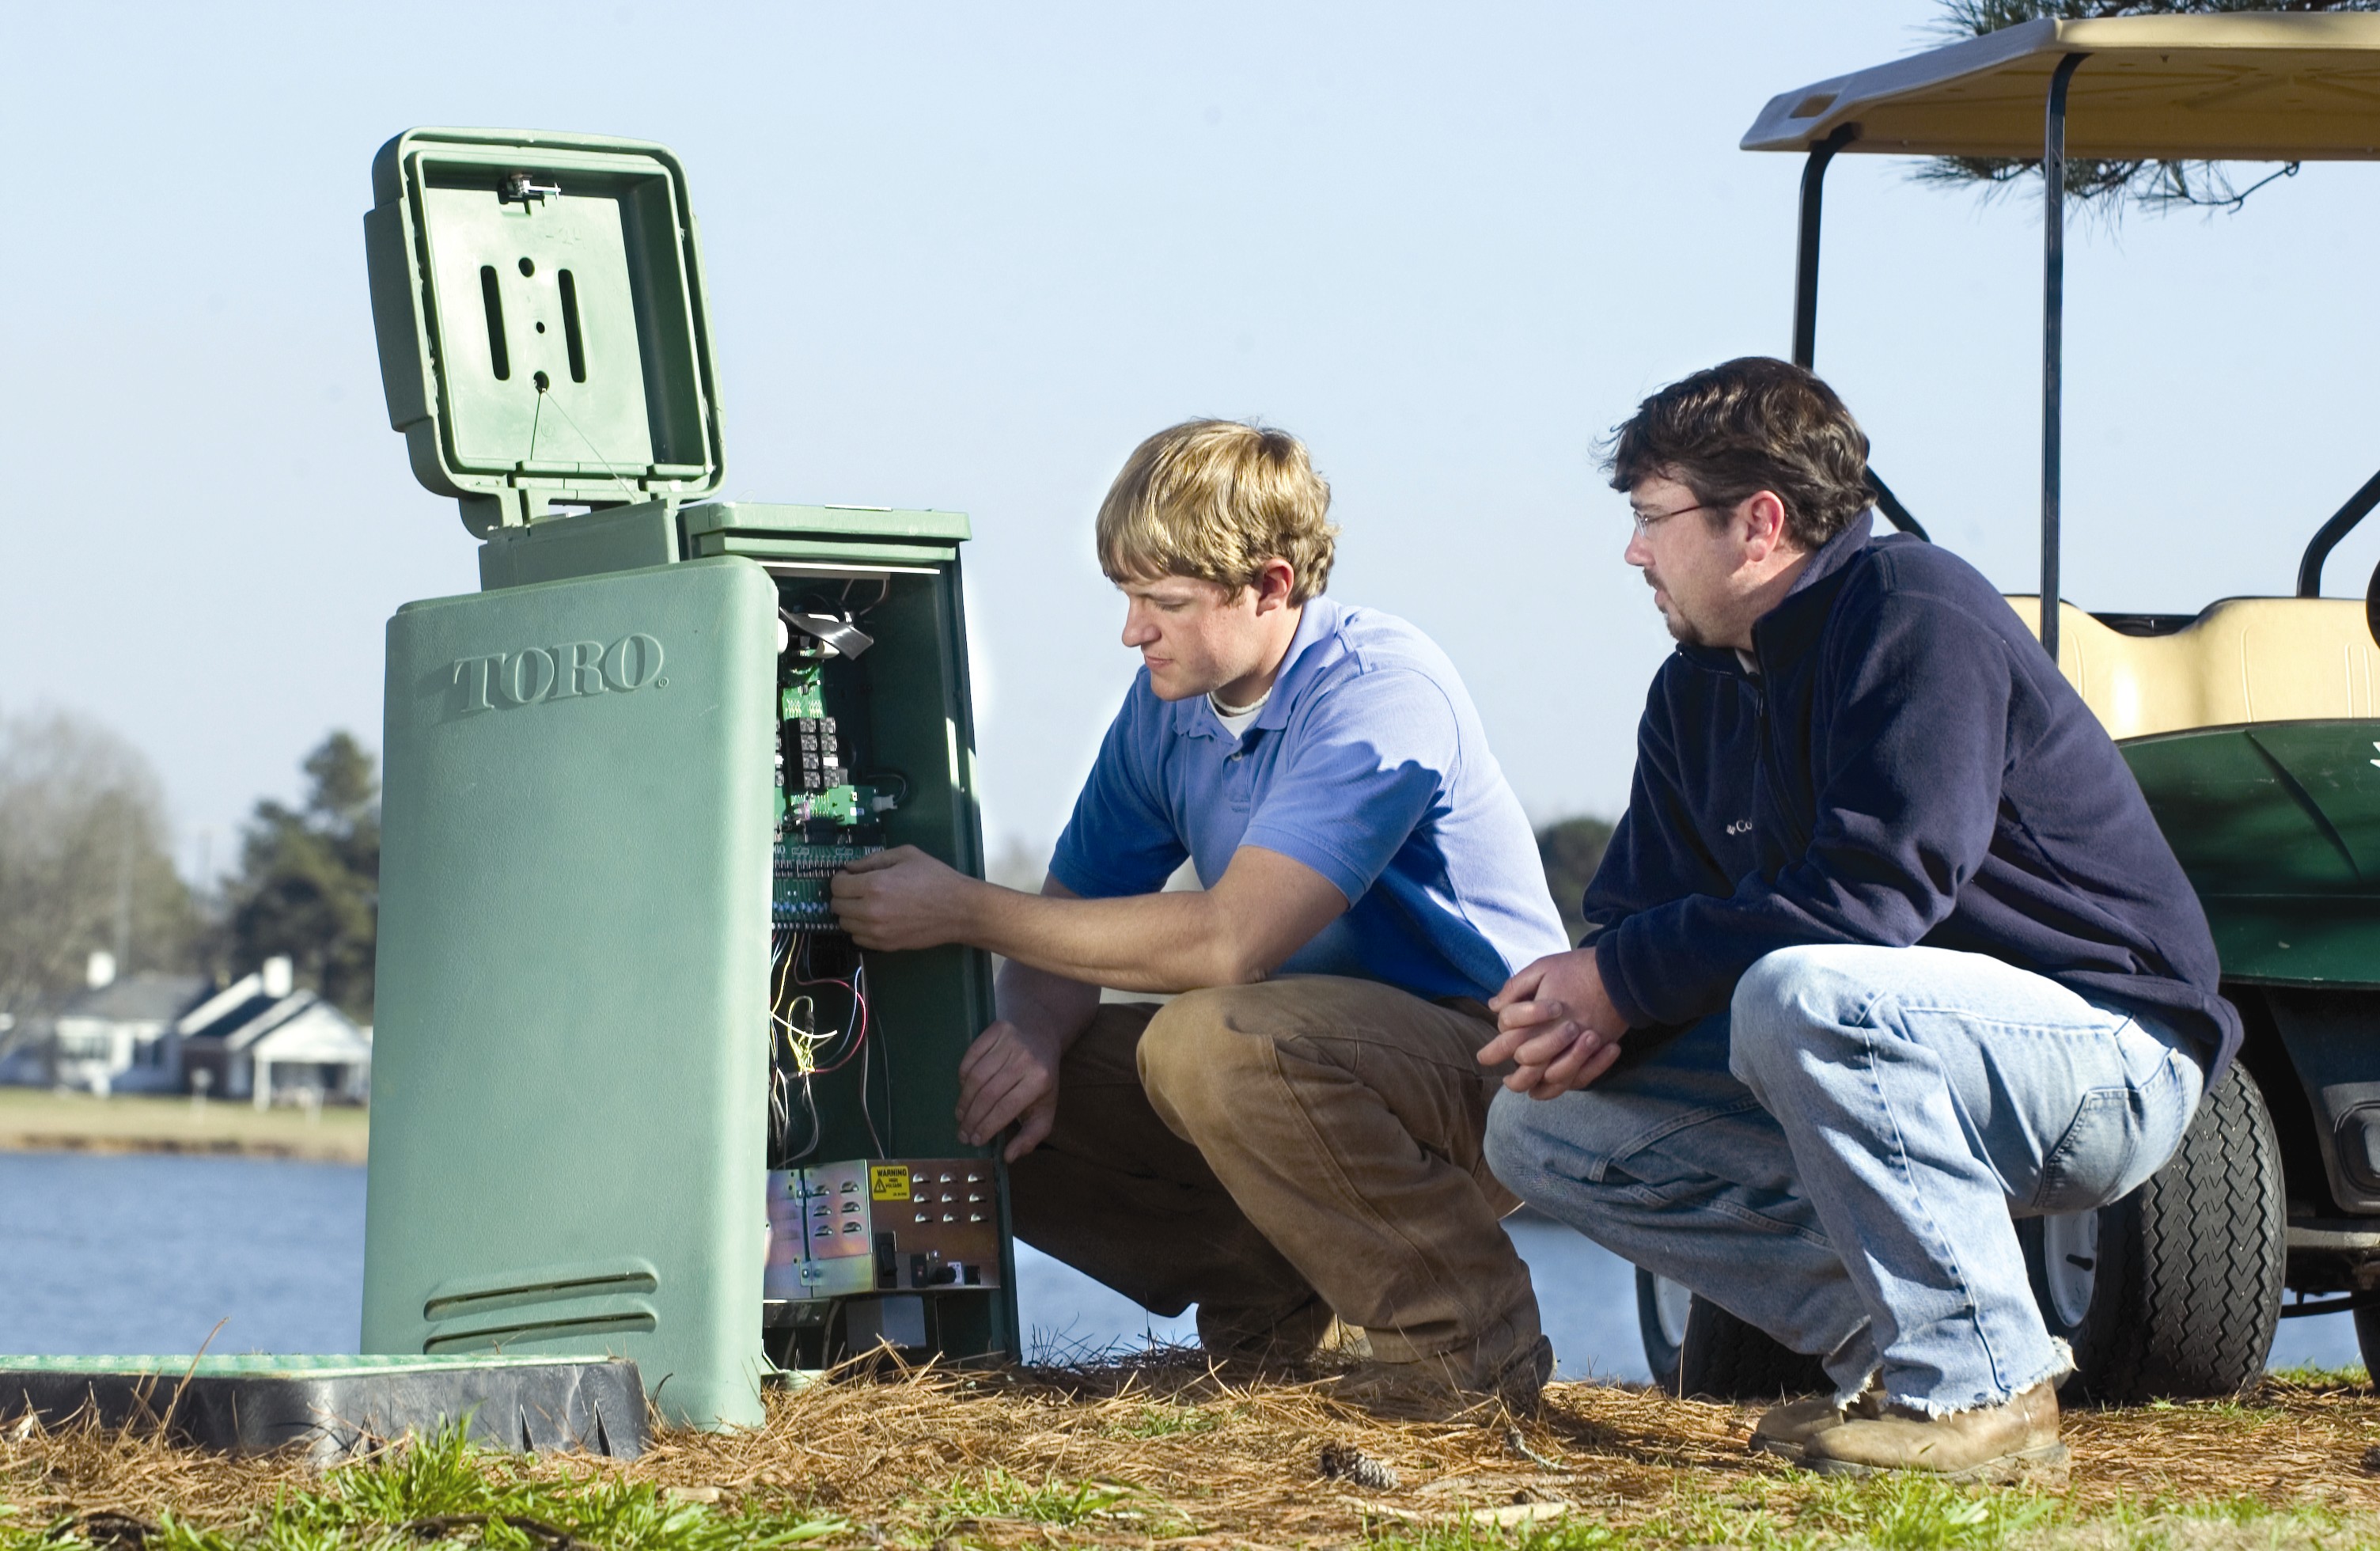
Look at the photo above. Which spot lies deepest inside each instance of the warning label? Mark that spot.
(888, 1181)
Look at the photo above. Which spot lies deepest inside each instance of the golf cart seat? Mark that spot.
(2242, 660)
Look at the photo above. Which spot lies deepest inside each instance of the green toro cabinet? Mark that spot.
(635, 1093)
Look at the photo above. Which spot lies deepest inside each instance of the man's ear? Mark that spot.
(1274, 584)
(1764, 516)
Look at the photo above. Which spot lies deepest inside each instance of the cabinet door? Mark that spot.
(570, 1060)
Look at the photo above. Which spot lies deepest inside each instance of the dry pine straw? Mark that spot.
(1203, 1458)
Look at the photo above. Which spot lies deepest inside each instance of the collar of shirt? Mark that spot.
(1316, 627)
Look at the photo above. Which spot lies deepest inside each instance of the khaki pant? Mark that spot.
(1279, 1152)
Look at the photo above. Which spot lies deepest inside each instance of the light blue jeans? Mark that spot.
(1838, 1158)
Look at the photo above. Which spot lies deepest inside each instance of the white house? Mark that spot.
(260, 1039)
(114, 1036)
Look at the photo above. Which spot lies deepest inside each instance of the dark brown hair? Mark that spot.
(1749, 425)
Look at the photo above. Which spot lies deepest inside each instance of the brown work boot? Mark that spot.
(1448, 1387)
(1280, 1344)
(2004, 1444)
(1343, 1343)
(1785, 1430)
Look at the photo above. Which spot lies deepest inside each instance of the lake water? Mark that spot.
(148, 1254)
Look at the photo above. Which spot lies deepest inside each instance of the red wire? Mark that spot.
(859, 1002)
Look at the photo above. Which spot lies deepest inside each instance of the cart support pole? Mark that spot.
(1806, 257)
(2053, 338)
(1805, 297)
(2341, 523)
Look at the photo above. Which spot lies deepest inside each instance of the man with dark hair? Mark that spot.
(1887, 947)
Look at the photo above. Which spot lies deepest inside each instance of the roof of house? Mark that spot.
(249, 1021)
(315, 1032)
(137, 999)
(2242, 86)
(228, 1012)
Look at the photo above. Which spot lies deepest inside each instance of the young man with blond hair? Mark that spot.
(1297, 1135)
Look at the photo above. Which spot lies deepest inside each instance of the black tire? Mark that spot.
(1712, 1353)
(2183, 1292)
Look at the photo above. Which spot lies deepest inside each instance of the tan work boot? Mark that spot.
(2003, 1444)
(1449, 1385)
(1785, 1430)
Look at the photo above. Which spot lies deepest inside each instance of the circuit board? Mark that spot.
(803, 900)
(825, 821)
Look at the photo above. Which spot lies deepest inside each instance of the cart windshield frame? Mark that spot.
(2242, 87)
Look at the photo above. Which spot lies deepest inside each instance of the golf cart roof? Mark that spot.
(2246, 86)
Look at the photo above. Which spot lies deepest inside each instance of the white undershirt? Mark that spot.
(1237, 720)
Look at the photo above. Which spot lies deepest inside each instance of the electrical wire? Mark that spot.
(828, 1057)
(876, 777)
(860, 610)
(809, 1054)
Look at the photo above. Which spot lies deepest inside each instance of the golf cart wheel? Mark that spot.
(2174, 1291)
(1697, 1347)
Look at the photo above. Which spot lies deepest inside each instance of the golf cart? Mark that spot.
(2250, 725)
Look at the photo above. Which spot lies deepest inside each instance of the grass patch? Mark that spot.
(996, 1494)
(1905, 1514)
(1150, 1453)
(2309, 1376)
(441, 1491)
(1169, 1419)
(1893, 1514)
(36, 1119)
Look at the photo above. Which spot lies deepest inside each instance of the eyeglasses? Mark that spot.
(1645, 520)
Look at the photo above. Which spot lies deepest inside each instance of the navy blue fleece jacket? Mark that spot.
(1906, 767)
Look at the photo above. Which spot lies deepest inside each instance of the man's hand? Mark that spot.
(1556, 1021)
(1009, 1073)
(902, 898)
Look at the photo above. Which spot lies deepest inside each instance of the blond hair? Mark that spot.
(1216, 499)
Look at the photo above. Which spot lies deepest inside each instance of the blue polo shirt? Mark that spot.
(1368, 765)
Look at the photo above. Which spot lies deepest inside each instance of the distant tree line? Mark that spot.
(86, 865)
(1571, 849)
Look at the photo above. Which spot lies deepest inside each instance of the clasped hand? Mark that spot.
(1557, 1024)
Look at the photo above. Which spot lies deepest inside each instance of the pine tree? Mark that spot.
(309, 885)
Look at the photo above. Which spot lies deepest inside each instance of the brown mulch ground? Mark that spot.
(1205, 1461)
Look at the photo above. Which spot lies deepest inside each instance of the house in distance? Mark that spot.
(259, 1039)
(262, 1039)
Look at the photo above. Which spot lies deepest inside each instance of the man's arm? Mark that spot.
(1264, 908)
(1910, 748)
(1010, 1073)
(1554, 1020)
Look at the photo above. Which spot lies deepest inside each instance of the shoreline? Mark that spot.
(120, 1147)
(41, 1121)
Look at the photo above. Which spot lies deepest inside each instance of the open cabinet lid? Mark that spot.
(543, 335)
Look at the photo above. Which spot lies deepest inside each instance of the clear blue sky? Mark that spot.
(966, 256)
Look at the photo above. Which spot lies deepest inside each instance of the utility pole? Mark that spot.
(124, 895)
